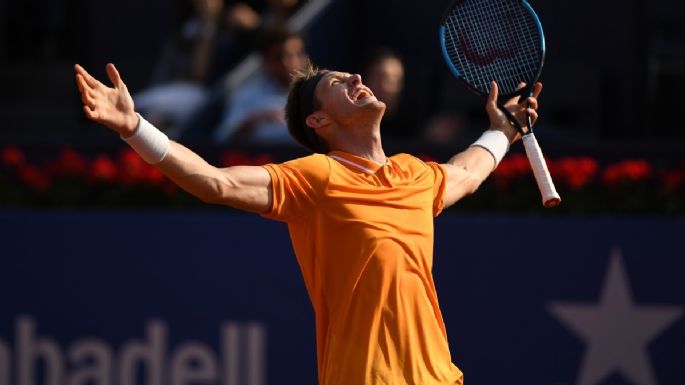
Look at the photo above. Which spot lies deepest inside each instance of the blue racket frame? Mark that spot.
(529, 82)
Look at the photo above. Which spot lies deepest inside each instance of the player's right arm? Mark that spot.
(243, 187)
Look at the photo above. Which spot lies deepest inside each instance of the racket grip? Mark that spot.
(550, 197)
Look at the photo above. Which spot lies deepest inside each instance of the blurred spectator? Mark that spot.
(242, 17)
(384, 75)
(445, 128)
(452, 118)
(275, 12)
(279, 11)
(255, 110)
(209, 39)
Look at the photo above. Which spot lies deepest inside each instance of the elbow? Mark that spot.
(215, 193)
(464, 188)
(216, 197)
(461, 187)
(211, 199)
(206, 195)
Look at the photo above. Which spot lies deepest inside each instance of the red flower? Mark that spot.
(262, 159)
(627, 171)
(513, 166)
(576, 173)
(638, 170)
(672, 180)
(234, 158)
(132, 168)
(102, 169)
(34, 177)
(70, 163)
(153, 175)
(12, 156)
(509, 169)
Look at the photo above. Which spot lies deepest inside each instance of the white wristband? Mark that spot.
(150, 143)
(495, 142)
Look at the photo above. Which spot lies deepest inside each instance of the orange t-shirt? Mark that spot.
(363, 237)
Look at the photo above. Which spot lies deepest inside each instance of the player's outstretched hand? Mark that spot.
(111, 106)
(498, 120)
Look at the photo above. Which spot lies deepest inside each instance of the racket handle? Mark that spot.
(550, 197)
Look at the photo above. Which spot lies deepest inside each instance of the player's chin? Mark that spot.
(372, 110)
(366, 100)
(371, 103)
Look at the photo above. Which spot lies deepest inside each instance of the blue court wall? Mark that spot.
(156, 298)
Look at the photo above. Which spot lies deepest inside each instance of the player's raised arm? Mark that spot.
(468, 169)
(243, 187)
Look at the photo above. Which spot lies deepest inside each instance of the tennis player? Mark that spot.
(361, 223)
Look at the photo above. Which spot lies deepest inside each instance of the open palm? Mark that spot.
(111, 106)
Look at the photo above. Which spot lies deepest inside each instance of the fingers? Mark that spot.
(91, 113)
(114, 76)
(517, 105)
(533, 100)
(492, 97)
(91, 81)
(80, 83)
(494, 114)
(537, 89)
(87, 96)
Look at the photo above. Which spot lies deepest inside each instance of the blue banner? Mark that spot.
(160, 298)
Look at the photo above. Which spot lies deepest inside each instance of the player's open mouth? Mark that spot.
(361, 95)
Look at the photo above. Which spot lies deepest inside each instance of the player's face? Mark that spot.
(346, 98)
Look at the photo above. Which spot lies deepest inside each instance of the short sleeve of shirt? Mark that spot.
(296, 186)
(440, 178)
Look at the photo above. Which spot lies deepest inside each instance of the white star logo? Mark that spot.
(616, 331)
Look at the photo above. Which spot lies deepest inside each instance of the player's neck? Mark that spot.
(365, 144)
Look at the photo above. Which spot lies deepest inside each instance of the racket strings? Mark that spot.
(493, 40)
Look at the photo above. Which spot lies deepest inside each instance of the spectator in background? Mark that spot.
(384, 74)
(210, 38)
(250, 17)
(279, 11)
(255, 111)
(451, 120)
(445, 128)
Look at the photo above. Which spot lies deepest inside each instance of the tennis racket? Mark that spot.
(500, 40)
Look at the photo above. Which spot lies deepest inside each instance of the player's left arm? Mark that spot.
(469, 168)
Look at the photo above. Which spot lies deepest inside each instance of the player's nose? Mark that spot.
(354, 80)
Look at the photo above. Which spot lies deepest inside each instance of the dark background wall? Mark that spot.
(611, 74)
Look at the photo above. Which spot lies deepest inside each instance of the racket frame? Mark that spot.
(524, 92)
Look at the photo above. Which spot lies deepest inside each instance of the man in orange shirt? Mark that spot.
(361, 223)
